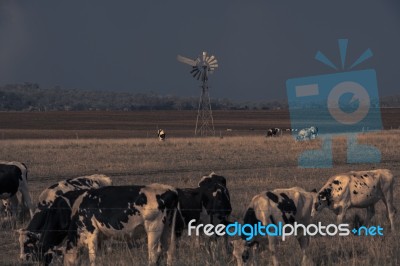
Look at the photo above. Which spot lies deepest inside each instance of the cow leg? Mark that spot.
(304, 242)
(341, 214)
(26, 198)
(272, 249)
(370, 214)
(391, 210)
(71, 255)
(154, 233)
(168, 240)
(12, 208)
(91, 241)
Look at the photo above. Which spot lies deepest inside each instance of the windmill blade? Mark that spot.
(198, 75)
(186, 60)
(204, 56)
(211, 58)
(213, 62)
(194, 69)
(195, 72)
(214, 66)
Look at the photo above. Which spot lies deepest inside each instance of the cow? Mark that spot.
(59, 194)
(271, 207)
(14, 178)
(307, 133)
(358, 189)
(161, 135)
(47, 229)
(273, 132)
(47, 197)
(208, 203)
(116, 211)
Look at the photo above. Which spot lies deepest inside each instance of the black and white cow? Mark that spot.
(161, 134)
(307, 133)
(13, 178)
(59, 194)
(208, 203)
(48, 229)
(47, 197)
(116, 211)
(273, 132)
(271, 207)
(358, 189)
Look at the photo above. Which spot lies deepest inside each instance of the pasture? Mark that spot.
(251, 163)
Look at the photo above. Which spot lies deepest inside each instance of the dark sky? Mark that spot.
(132, 45)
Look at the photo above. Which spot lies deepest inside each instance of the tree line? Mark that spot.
(32, 97)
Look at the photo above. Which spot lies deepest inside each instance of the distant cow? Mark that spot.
(161, 135)
(13, 178)
(48, 195)
(47, 229)
(116, 211)
(358, 189)
(209, 203)
(271, 207)
(307, 133)
(273, 132)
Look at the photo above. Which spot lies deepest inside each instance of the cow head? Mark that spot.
(28, 244)
(215, 197)
(321, 200)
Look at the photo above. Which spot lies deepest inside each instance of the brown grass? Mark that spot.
(251, 165)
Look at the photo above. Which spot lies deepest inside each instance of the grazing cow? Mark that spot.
(208, 203)
(48, 229)
(48, 195)
(358, 189)
(161, 135)
(271, 207)
(13, 178)
(116, 211)
(273, 132)
(307, 133)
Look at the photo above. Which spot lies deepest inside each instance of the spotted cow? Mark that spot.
(273, 132)
(358, 189)
(47, 197)
(161, 134)
(14, 178)
(271, 207)
(116, 211)
(307, 133)
(45, 233)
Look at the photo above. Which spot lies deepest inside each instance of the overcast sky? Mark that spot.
(132, 45)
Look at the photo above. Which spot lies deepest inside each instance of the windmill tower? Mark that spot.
(202, 66)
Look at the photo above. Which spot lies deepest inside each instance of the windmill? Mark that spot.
(202, 66)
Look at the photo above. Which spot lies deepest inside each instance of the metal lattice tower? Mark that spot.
(201, 68)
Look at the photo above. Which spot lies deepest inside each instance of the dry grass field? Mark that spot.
(251, 164)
